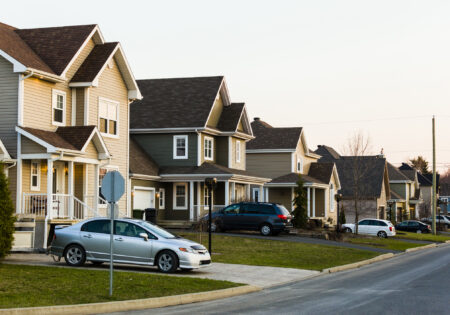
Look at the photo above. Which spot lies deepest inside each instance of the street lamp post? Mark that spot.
(211, 183)
(338, 198)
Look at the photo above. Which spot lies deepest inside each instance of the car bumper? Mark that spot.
(194, 260)
(283, 227)
(55, 251)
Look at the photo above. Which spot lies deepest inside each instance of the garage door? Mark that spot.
(143, 199)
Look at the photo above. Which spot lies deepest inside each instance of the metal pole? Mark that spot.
(433, 219)
(210, 219)
(337, 220)
(111, 249)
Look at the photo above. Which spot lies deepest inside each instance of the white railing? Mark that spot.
(102, 206)
(62, 206)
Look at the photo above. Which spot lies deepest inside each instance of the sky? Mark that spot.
(333, 67)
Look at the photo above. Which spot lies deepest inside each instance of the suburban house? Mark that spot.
(444, 197)
(372, 179)
(405, 193)
(64, 104)
(185, 130)
(282, 155)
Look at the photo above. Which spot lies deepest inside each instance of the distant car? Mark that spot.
(378, 227)
(413, 226)
(135, 242)
(267, 218)
(440, 219)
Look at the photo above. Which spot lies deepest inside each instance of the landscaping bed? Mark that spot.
(261, 252)
(27, 286)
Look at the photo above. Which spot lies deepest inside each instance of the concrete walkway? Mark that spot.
(260, 276)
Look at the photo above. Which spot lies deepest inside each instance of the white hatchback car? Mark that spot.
(378, 227)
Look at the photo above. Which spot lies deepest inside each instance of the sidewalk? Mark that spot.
(260, 276)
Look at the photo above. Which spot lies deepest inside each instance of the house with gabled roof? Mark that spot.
(282, 154)
(374, 189)
(64, 121)
(192, 131)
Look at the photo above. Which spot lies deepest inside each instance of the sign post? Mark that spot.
(211, 183)
(113, 187)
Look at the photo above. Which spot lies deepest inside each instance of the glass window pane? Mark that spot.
(112, 129)
(60, 101)
(112, 111)
(103, 124)
(103, 110)
(99, 226)
(34, 181)
(180, 201)
(58, 115)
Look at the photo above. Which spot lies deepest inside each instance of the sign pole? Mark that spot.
(111, 247)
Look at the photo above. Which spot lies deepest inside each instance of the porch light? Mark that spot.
(132, 193)
(157, 195)
(66, 170)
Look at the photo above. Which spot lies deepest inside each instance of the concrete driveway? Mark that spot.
(261, 276)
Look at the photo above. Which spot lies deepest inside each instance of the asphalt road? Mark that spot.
(412, 283)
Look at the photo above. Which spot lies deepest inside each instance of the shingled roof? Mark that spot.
(321, 171)
(229, 119)
(140, 162)
(396, 174)
(205, 168)
(268, 137)
(92, 65)
(327, 153)
(292, 178)
(174, 103)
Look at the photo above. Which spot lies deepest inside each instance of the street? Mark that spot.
(413, 283)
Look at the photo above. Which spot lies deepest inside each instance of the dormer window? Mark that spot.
(300, 165)
(180, 147)
(208, 148)
(58, 108)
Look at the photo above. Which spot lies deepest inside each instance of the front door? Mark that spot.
(59, 201)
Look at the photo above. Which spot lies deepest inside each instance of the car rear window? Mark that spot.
(97, 226)
(283, 210)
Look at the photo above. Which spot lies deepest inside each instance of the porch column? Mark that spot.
(191, 201)
(266, 195)
(309, 201)
(416, 212)
(70, 188)
(314, 202)
(233, 192)
(227, 193)
(49, 187)
(19, 175)
(261, 194)
(85, 191)
(292, 199)
(248, 194)
(96, 187)
(199, 202)
(325, 203)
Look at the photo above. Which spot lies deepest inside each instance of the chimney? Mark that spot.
(256, 119)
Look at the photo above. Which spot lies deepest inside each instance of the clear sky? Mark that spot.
(333, 67)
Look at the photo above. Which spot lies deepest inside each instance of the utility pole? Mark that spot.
(433, 211)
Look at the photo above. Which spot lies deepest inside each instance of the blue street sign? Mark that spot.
(113, 186)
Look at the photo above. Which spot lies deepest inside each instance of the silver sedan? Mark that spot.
(135, 242)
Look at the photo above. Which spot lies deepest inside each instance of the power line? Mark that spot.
(366, 120)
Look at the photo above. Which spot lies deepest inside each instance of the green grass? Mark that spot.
(440, 238)
(260, 252)
(26, 286)
(387, 243)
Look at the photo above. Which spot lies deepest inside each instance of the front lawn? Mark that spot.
(26, 286)
(386, 243)
(260, 252)
(440, 238)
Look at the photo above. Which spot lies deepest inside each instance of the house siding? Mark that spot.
(221, 149)
(79, 114)
(281, 196)
(366, 209)
(216, 112)
(269, 165)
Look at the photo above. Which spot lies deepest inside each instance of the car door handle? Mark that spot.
(87, 236)
(119, 239)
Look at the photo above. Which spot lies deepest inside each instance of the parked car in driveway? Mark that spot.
(378, 227)
(440, 219)
(413, 226)
(267, 218)
(135, 242)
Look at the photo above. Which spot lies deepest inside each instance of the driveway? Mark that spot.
(264, 277)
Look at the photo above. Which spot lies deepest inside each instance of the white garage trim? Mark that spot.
(137, 189)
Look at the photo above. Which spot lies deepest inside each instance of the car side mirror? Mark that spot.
(144, 236)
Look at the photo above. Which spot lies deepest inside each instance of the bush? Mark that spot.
(342, 216)
(300, 214)
(7, 217)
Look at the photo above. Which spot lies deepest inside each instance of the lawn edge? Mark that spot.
(414, 249)
(129, 305)
(359, 263)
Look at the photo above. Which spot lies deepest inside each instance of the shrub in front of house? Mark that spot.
(7, 217)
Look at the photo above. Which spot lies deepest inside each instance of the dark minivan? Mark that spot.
(267, 218)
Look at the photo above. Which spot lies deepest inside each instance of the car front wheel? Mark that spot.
(167, 261)
(382, 234)
(265, 229)
(75, 255)
(348, 230)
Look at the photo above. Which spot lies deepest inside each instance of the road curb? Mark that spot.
(128, 305)
(414, 249)
(447, 241)
(358, 264)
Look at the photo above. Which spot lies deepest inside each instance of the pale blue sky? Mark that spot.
(331, 66)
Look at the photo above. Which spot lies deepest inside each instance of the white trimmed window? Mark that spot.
(180, 147)
(208, 148)
(162, 198)
(58, 108)
(331, 198)
(101, 174)
(180, 196)
(35, 176)
(300, 165)
(256, 194)
(238, 151)
(108, 116)
(206, 198)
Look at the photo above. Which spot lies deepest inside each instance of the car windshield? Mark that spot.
(283, 210)
(158, 230)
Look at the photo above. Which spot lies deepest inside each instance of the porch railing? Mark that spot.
(200, 210)
(102, 206)
(61, 206)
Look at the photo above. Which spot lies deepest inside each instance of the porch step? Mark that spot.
(175, 224)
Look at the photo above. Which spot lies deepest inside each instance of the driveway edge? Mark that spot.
(414, 249)
(358, 264)
(128, 305)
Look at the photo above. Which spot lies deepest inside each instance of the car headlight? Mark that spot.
(186, 249)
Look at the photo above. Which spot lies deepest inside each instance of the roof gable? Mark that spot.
(268, 137)
(140, 162)
(4, 155)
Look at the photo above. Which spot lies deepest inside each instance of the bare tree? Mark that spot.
(358, 145)
(445, 177)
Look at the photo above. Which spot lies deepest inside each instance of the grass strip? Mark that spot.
(386, 243)
(440, 238)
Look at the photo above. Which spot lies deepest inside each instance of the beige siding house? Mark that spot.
(282, 154)
(64, 103)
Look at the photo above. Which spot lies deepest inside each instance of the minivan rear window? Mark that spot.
(283, 210)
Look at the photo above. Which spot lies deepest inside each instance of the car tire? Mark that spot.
(265, 229)
(97, 263)
(382, 234)
(215, 227)
(348, 230)
(75, 255)
(167, 261)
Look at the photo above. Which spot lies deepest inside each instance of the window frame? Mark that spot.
(175, 206)
(162, 198)
(205, 198)
(55, 94)
(108, 168)
(108, 102)
(186, 141)
(211, 140)
(38, 175)
(238, 151)
(299, 165)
